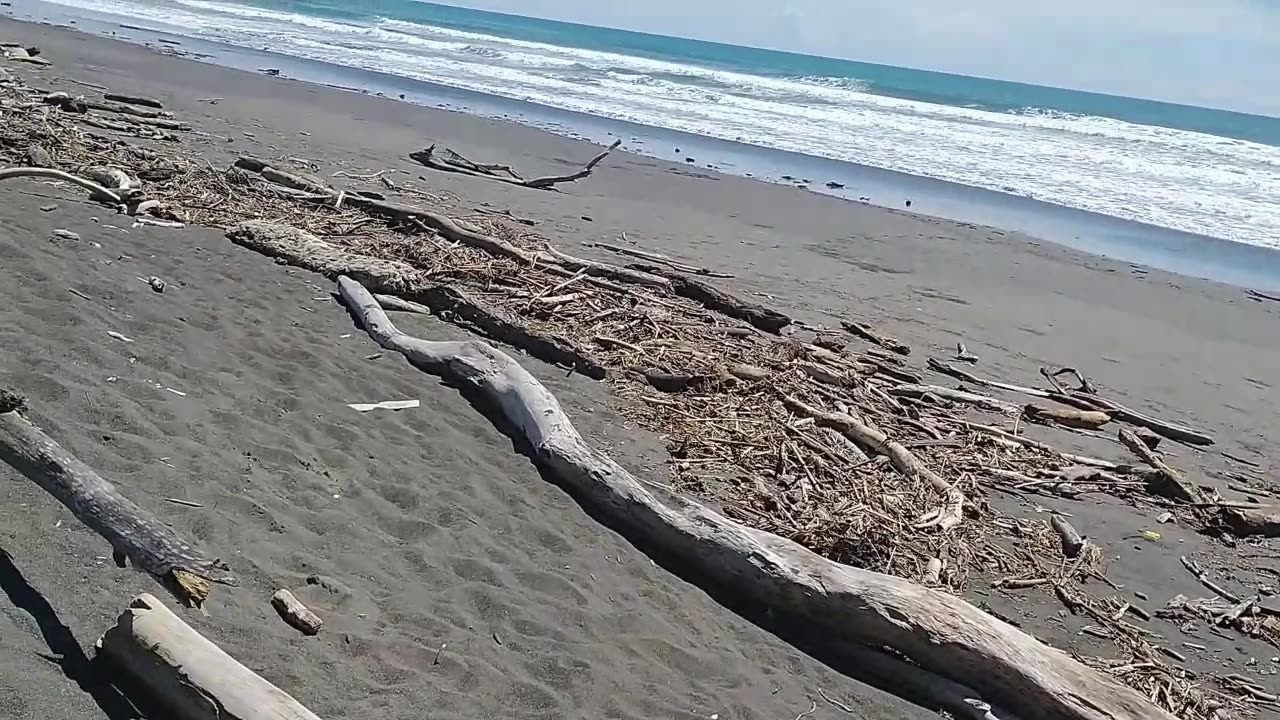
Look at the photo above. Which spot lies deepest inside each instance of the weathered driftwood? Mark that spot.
(295, 613)
(185, 673)
(134, 533)
(1008, 437)
(720, 301)
(870, 334)
(305, 250)
(1164, 428)
(1165, 481)
(1067, 417)
(1245, 522)
(660, 259)
(986, 402)
(966, 376)
(1072, 542)
(97, 192)
(621, 274)
(935, 630)
(133, 100)
(1083, 401)
(455, 163)
(875, 441)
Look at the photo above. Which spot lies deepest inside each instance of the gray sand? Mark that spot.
(438, 532)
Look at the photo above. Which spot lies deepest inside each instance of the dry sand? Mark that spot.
(435, 531)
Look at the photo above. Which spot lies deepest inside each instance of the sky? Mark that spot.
(1218, 53)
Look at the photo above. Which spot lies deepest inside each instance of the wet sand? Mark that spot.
(436, 532)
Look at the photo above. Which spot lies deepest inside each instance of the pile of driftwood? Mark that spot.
(833, 438)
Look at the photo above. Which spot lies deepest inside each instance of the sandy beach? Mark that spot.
(466, 585)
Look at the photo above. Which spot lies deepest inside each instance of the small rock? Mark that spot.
(156, 284)
(48, 208)
(39, 157)
(66, 235)
(690, 160)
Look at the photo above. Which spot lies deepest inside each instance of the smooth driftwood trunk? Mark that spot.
(133, 532)
(305, 250)
(934, 630)
(188, 675)
(720, 301)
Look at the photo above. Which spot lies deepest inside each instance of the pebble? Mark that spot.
(48, 208)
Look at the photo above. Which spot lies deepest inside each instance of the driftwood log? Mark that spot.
(660, 259)
(192, 678)
(452, 162)
(133, 100)
(134, 533)
(934, 630)
(720, 301)
(872, 335)
(1084, 401)
(295, 613)
(1067, 417)
(1246, 522)
(1164, 480)
(986, 402)
(305, 250)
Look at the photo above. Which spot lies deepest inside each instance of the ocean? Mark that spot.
(1209, 172)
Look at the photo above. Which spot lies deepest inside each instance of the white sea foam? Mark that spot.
(1174, 178)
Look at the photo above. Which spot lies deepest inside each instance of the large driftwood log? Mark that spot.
(875, 441)
(720, 301)
(455, 163)
(185, 673)
(1246, 522)
(1164, 428)
(134, 533)
(934, 630)
(305, 250)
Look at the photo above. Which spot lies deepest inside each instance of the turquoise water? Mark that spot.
(1202, 171)
(897, 82)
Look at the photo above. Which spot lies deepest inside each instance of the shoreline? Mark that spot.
(452, 537)
(1193, 255)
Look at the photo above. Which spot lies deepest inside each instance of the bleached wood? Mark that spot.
(192, 678)
(937, 631)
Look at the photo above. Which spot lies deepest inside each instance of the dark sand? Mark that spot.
(437, 530)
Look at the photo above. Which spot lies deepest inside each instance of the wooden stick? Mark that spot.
(966, 376)
(934, 630)
(188, 675)
(593, 267)
(986, 402)
(305, 250)
(950, 515)
(1007, 436)
(1170, 430)
(870, 334)
(720, 301)
(660, 258)
(134, 533)
(133, 100)
(427, 157)
(295, 613)
(1166, 481)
